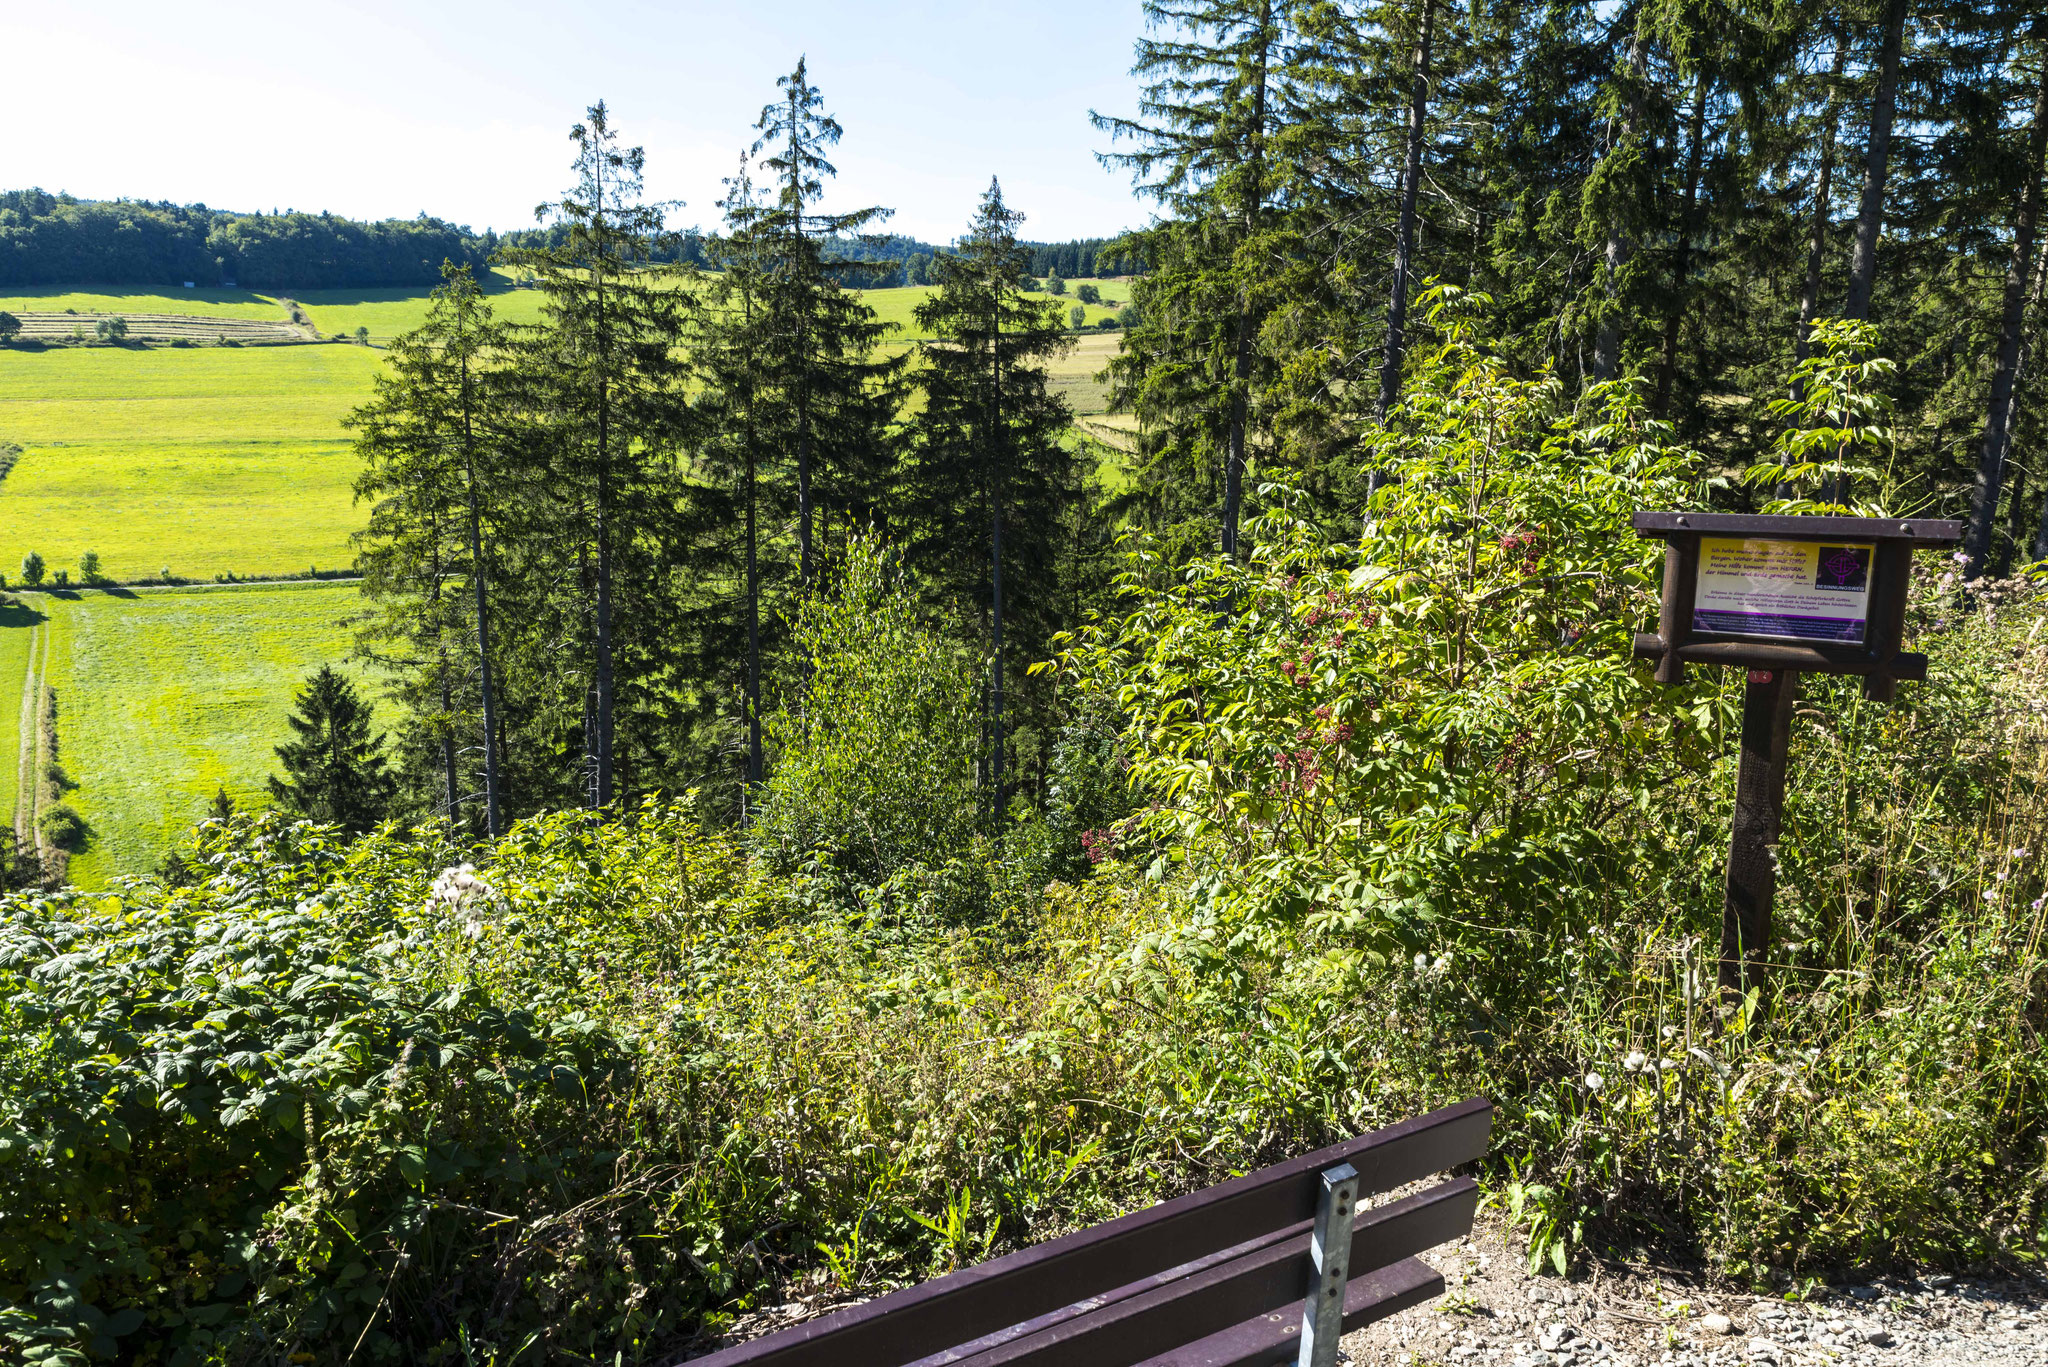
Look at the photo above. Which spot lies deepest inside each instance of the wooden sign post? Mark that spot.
(1780, 597)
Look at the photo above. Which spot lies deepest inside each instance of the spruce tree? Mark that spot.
(990, 479)
(430, 450)
(604, 381)
(1205, 148)
(745, 491)
(1997, 433)
(837, 395)
(335, 771)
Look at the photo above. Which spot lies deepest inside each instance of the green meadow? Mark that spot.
(200, 460)
(232, 460)
(18, 622)
(164, 696)
(390, 313)
(207, 303)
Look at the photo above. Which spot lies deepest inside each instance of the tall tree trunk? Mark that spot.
(1817, 233)
(451, 790)
(598, 731)
(494, 819)
(1681, 271)
(755, 766)
(2018, 270)
(996, 443)
(1607, 346)
(1876, 164)
(494, 815)
(801, 345)
(601, 730)
(1241, 368)
(1404, 231)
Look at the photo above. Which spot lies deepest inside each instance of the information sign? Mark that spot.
(1786, 590)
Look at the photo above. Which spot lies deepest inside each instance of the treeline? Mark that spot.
(1083, 257)
(589, 538)
(1670, 191)
(50, 239)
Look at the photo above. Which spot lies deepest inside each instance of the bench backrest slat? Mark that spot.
(977, 1301)
(1215, 1299)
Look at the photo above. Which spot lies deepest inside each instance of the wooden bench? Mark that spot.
(1269, 1267)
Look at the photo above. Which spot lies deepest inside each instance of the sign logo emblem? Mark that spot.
(1842, 569)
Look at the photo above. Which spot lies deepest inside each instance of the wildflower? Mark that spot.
(1991, 894)
(1961, 557)
(1594, 1082)
(1634, 1062)
(2019, 852)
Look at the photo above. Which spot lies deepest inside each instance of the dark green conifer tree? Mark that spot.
(1207, 148)
(745, 495)
(603, 381)
(839, 396)
(433, 473)
(990, 481)
(335, 771)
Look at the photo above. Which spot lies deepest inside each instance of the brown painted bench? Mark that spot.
(1265, 1268)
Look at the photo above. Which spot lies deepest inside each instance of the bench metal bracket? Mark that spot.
(1322, 1317)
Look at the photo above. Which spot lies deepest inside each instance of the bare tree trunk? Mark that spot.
(1696, 126)
(1404, 234)
(1817, 235)
(1607, 346)
(1876, 164)
(995, 433)
(2019, 268)
(494, 818)
(1241, 369)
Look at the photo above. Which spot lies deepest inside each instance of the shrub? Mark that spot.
(1088, 294)
(89, 569)
(111, 329)
(873, 758)
(32, 569)
(10, 327)
(62, 826)
(1077, 316)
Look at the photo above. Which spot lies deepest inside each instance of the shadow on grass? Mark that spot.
(15, 613)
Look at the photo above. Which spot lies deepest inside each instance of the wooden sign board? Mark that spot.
(1779, 596)
(1822, 595)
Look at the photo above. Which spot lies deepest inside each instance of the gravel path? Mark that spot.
(1494, 1313)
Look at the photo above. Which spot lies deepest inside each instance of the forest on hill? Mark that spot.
(56, 239)
(840, 822)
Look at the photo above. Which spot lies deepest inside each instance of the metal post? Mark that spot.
(1752, 846)
(1322, 1317)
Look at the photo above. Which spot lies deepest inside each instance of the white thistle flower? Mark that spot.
(1594, 1082)
(1635, 1061)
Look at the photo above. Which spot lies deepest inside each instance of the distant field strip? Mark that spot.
(165, 697)
(160, 327)
(201, 461)
(210, 303)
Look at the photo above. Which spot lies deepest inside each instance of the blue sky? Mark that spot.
(462, 109)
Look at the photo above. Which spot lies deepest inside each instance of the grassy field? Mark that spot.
(897, 306)
(390, 313)
(17, 628)
(114, 299)
(200, 460)
(164, 696)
